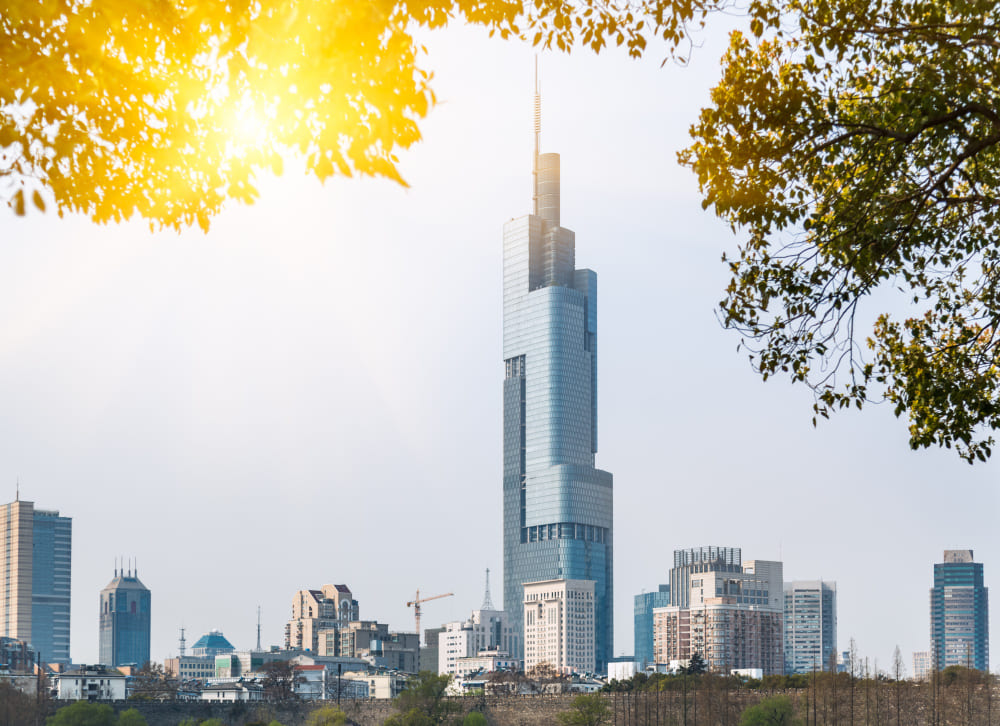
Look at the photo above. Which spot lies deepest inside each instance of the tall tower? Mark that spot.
(557, 507)
(960, 628)
(810, 626)
(124, 621)
(35, 559)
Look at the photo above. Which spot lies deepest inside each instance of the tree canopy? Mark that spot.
(853, 146)
(165, 108)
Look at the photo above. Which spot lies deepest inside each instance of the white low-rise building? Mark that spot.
(380, 685)
(91, 683)
(232, 692)
(486, 661)
(483, 630)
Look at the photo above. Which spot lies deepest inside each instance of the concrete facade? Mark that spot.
(732, 615)
(482, 630)
(559, 625)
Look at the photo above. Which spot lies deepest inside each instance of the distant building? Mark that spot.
(429, 651)
(190, 667)
(16, 656)
(124, 621)
(380, 685)
(486, 661)
(482, 630)
(91, 683)
(960, 627)
(559, 625)
(211, 644)
(922, 665)
(314, 611)
(727, 611)
(623, 668)
(643, 630)
(35, 568)
(233, 692)
(810, 626)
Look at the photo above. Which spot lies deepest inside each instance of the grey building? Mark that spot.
(810, 626)
(124, 621)
(643, 622)
(557, 506)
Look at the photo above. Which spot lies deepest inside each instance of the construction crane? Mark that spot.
(415, 602)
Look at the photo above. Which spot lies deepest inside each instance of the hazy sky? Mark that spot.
(311, 392)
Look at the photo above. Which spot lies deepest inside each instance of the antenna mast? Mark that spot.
(538, 131)
(487, 600)
(183, 643)
(258, 629)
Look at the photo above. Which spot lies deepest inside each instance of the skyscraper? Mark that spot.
(35, 557)
(557, 507)
(960, 628)
(125, 621)
(810, 626)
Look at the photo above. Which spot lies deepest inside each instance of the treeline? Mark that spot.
(954, 696)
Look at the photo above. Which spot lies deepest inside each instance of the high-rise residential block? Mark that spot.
(922, 665)
(314, 611)
(810, 626)
(730, 612)
(35, 570)
(960, 626)
(643, 626)
(125, 620)
(557, 506)
(559, 625)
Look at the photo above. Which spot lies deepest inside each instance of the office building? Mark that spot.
(643, 628)
(35, 568)
(328, 608)
(559, 625)
(125, 621)
(211, 644)
(483, 630)
(731, 613)
(960, 627)
(922, 665)
(557, 507)
(810, 626)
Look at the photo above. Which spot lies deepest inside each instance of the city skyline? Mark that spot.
(316, 349)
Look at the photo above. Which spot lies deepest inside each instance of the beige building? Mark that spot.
(190, 667)
(483, 630)
(559, 625)
(16, 528)
(733, 619)
(314, 611)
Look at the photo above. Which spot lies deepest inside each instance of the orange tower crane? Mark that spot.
(415, 602)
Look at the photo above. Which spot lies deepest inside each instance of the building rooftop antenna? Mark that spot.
(183, 643)
(258, 629)
(538, 131)
(487, 600)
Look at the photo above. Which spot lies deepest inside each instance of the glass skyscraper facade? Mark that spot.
(810, 626)
(50, 585)
(960, 632)
(125, 621)
(643, 622)
(557, 507)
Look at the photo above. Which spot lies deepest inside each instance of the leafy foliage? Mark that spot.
(83, 713)
(166, 108)
(424, 702)
(774, 711)
(475, 718)
(855, 146)
(588, 709)
(696, 666)
(326, 716)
